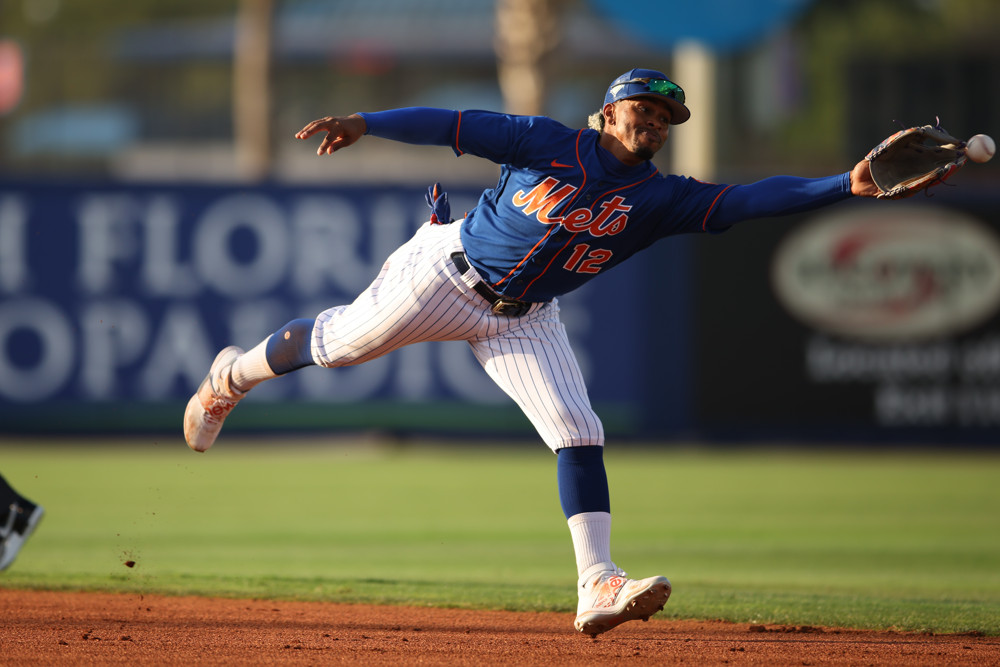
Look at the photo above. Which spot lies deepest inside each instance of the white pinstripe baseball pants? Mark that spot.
(419, 296)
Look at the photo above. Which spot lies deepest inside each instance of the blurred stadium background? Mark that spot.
(155, 207)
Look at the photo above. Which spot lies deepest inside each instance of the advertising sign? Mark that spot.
(869, 320)
(114, 300)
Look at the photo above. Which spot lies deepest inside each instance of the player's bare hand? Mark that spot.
(340, 132)
(862, 184)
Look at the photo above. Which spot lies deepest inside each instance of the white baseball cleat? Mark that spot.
(21, 522)
(609, 598)
(211, 404)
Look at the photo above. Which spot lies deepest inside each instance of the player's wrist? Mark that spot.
(363, 120)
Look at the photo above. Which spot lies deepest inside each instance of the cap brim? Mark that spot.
(678, 112)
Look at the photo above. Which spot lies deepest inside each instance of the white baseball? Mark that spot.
(980, 148)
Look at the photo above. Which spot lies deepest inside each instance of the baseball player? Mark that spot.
(570, 204)
(18, 519)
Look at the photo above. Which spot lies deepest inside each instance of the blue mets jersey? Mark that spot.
(565, 209)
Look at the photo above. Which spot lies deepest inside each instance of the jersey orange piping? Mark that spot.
(553, 227)
(704, 223)
(458, 129)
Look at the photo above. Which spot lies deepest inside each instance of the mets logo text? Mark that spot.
(548, 195)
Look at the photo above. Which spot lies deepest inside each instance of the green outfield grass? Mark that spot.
(901, 540)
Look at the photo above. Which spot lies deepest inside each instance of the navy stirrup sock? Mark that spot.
(290, 347)
(583, 482)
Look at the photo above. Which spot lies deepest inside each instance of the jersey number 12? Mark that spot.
(585, 260)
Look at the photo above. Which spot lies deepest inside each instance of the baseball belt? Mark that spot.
(501, 305)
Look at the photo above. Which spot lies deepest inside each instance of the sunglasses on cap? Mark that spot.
(661, 86)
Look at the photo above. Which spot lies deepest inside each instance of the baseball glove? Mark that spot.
(914, 159)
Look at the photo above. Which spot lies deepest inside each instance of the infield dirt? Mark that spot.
(59, 628)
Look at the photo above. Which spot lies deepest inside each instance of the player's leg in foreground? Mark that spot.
(416, 297)
(606, 596)
(213, 401)
(234, 372)
(537, 368)
(18, 519)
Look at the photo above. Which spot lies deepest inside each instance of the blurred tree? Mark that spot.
(527, 32)
(252, 58)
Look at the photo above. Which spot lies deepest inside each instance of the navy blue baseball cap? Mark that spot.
(649, 83)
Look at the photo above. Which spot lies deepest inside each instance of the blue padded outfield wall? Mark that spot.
(839, 325)
(115, 299)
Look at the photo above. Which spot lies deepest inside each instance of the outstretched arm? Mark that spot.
(341, 132)
(486, 134)
(413, 125)
(778, 195)
(782, 195)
